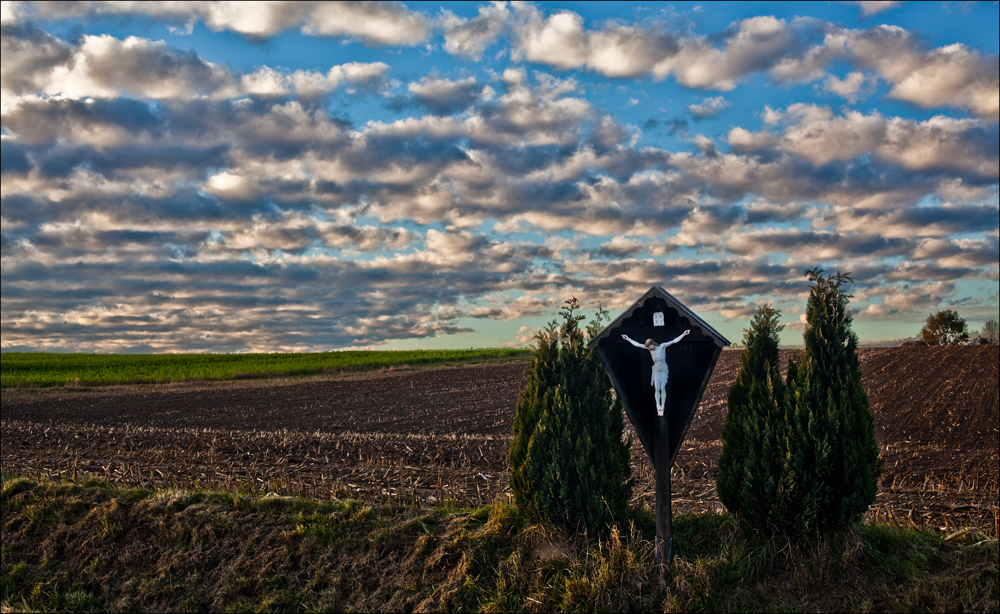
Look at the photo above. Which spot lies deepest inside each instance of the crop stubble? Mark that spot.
(442, 433)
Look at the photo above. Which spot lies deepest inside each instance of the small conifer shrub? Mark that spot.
(752, 453)
(832, 466)
(570, 463)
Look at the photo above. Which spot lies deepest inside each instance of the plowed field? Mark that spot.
(428, 434)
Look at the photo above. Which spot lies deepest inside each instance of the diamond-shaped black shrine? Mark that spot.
(690, 361)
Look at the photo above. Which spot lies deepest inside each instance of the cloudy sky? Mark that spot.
(214, 176)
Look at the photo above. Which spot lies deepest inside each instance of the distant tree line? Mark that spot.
(948, 328)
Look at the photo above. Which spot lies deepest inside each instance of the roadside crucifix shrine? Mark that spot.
(659, 356)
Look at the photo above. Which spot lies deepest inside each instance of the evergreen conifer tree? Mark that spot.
(751, 460)
(570, 464)
(831, 462)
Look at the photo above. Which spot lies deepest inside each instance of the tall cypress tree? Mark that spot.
(831, 464)
(751, 460)
(570, 464)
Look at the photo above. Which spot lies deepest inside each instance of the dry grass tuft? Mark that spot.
(72, 547)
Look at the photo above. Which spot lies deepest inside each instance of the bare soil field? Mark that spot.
(442, 433)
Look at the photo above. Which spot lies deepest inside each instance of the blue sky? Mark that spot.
(309, 176)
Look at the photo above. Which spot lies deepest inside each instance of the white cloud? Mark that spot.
(923, 297)
(953, 75)
(950, 76)
(525, 336)
(155, 208)
(848, 87)
(709, 107)
(964, 145)
(757, 45)
(772, 116)
(445, 95)
(103, 66)
(871, 7)
(471, 37)
(622, 246)
(821, 138)
(10, 12)
(372, 22)
(106, 67)
(558, 40)
(744, 140)
(628, 51)
(375, 23)
(941, 142)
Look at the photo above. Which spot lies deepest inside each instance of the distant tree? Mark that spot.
(831, 469)
(752, 453)
(570, 463)
(990, 335)
(945, 328)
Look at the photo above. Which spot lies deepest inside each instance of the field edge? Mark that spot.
(20, 370)
(78, 547)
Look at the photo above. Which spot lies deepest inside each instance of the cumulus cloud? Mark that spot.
(194, 207)
(871, 7)
(294, 232)
(709, 107)
(940, 143)
(377, 23)
(953, 75)
(471, 37)
(544, 112)
(924, 221)
(628, 51)
(806, 245)
(741, 139)
(621, 246)
(619, 50)
(28, 56)
(558, 40)
(445, 96)
(848, 87)
(102, 66)
(819, 137)
(106, 67)
(921, 296)
(372, 22)
(526, 305)
(759, 42)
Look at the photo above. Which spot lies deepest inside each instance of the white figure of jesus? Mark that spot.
(660, 372)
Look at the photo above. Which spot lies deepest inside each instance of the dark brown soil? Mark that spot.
(442, 432)
(477, 399)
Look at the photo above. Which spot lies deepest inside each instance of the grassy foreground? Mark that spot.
(86, 547)
(27, 369)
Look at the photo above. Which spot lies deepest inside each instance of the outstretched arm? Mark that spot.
(682, 335)
(635, 343)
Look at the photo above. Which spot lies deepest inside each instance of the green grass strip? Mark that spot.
(22, 369)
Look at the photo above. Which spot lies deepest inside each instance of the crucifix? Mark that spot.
(660, 393)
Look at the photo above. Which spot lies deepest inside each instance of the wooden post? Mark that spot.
(661, 464)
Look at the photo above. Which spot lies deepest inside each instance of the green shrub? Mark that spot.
(751, 460)
(832, 465)
(570, 464)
